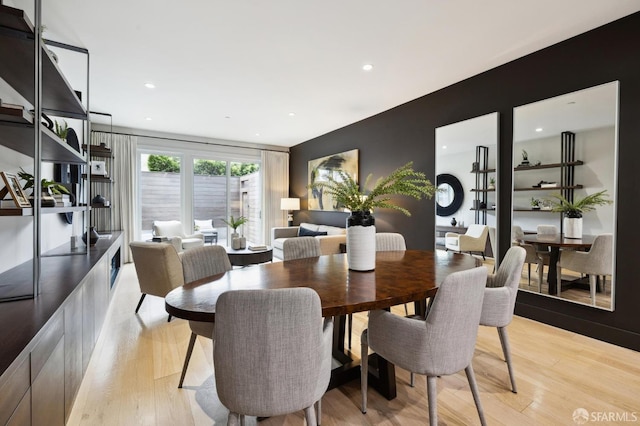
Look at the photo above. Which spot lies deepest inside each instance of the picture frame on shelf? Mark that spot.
(12, 186)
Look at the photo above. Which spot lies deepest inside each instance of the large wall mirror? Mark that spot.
(466, 158)
(567, 146)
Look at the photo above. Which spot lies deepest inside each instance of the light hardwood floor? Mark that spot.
(133, 375)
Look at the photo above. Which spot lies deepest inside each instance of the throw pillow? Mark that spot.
(304, 232)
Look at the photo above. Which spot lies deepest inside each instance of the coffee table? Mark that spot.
(245, 257)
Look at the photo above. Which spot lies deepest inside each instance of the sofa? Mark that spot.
(330, 237)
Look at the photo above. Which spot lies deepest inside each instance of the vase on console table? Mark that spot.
(93, 237)
(361, 241)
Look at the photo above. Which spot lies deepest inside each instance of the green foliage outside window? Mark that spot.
(163, 163)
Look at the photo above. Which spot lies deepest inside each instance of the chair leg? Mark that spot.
(234, 419)
(412, 379)
(187, 357)
(592, 287)
(364, 371)
(540, 273)
(140, 302)
(432, 399)
(529, 274)
(474, 391)
(169, 319)
(406, 310)
(506, 350)
(349, 328)
(310, 416)
(319, 412)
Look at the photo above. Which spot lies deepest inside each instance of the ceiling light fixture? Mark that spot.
(150, 85)
(539, 129)
(292, 114)
(148, 119)
(367, 67)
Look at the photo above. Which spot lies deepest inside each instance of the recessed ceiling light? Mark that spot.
(150, 85)
(539, 129)
(367, 67)
(292, 114)
(257, 134)
(148, 118)
(444, 147)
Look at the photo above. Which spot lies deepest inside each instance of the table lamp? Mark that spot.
(290, 204)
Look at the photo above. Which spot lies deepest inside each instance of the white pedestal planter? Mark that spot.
(572, 227)
(361, 242)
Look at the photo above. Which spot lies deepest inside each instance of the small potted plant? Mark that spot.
(48, 187)
(62, 130)
(535, 203)
(237, 242)
(572, 211)
(492, 183)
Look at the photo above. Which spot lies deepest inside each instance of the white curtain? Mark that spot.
(124, 186)
(275, 185)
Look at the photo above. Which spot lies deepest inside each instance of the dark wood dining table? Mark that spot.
(399, 277)
(555, 243)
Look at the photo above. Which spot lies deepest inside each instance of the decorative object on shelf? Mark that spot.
(61, 130)
(72, 139)
(12, 187)
(48, 187)
(93, 237)
(572, 211)
(525, 158)
(475, 166)
(46, 121)
(98, 168)
(535, 203)
(454, 222)
(99, 200)
(235, 223)
(492, 183)
(320, 170)
(361, 231)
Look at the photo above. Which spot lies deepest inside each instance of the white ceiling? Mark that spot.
(234, 69)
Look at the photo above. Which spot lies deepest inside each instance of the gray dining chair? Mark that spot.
(532, 256)
(500, 300)
(197, 263)
(597, 262)
(300, 248)
(158, 268)
(442, 344)
(264, 367)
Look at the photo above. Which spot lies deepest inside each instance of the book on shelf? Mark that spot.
(257, 248)
(549, 185)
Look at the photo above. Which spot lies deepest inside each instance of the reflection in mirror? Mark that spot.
(567, 146)
(466, 155)
(450, 194)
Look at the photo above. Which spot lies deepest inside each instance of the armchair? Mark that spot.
(205, 227)
(172, 229)
(474, 240)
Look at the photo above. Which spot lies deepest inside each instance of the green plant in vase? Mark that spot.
(237, 242)
(61, 129)
(48, 188)
(572, 211)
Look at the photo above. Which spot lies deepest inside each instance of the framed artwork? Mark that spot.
(12, 186)
(321, 168)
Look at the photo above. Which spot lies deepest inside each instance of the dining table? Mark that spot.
(399, 277)
(555, 242)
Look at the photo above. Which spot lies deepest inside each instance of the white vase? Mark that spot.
(243, 242)
(572, 227)
(361, 242)
(235, 241)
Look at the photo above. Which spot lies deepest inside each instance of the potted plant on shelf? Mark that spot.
(237, 242)
(572, 211)
(48, 188)
(361, 230)
(62, 130)
(535, 203)
(492, 183)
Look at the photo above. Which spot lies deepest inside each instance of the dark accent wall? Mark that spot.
(407, 133)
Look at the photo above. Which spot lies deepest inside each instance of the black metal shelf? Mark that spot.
(550, 188)
(548, 166)
(19, 137)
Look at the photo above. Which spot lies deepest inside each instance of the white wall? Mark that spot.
(596, 149)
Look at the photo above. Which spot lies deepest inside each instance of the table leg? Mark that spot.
(552, 276)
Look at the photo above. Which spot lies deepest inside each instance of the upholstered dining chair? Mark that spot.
(517, 234)
(265, 367)
(442, 344)
(158, 267)
(472, 241)
(199, 263)
(544, 253)
(500, 300)
(597, 262)
(300, 247)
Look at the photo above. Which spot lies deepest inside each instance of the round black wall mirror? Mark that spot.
(449, 196)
